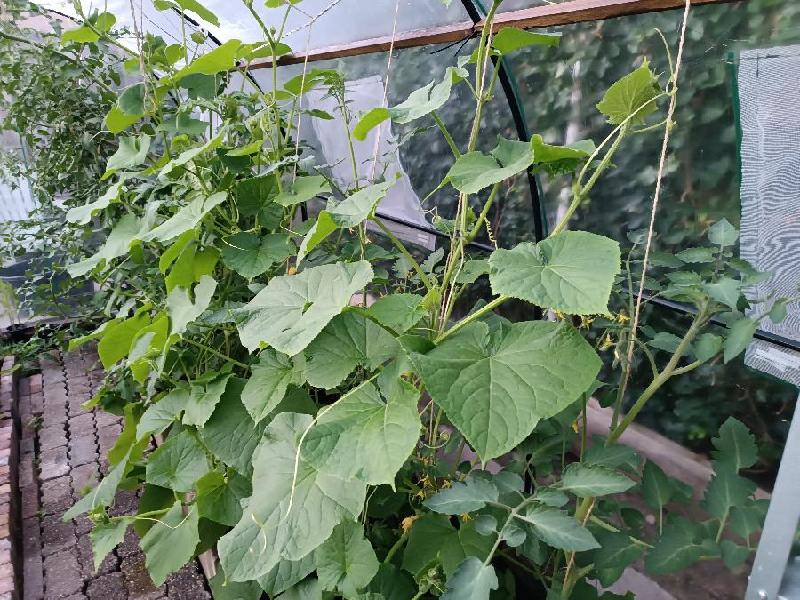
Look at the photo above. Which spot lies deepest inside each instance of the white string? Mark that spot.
(657, 194)
(300, 104)
(313, 19)
(385, 101)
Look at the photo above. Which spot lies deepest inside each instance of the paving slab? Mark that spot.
(61, 451)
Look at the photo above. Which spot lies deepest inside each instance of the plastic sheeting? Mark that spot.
(331, 22)
(376, 156)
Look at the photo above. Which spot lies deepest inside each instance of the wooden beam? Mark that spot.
(408, 39)
(578, 11)
(563, 13)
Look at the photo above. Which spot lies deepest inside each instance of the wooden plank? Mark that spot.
(563, 13)
(408, 39)
(578, 11)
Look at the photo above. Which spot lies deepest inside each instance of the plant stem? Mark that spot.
(486, 308)
(484, 212)
(400, 246)
(397, 545)
(672, 366)
(217, 353)
(448, 138)
(580, 193)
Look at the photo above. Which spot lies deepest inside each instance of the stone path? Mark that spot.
(61, 450)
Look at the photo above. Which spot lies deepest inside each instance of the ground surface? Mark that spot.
(62, 446)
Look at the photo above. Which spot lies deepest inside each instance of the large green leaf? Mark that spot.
(308, 589)
(286, 574)
(465, 497)
(496, 385)
(560, 159)
(572, 272)
(348, 341)
(362, 436)
(739, 336)
(677, 549)
(268, 382)
(725, 290)
(221, 58)
(657, 489)
(433, 539)
(399, 312)
(419, 103)
(230, 433)
(346, 561)
(132, 100)
(190, 5)
(303, 190)
(735, 446)
(726, 490)
(118, 121)
(250, 255)
(632, 96)
(102, 495)
(182, 310)
(617, 551)
(348, 213)
(475, 170)
(587, 481)
(132, 151)
(186, 218)
(105, 537)
(163, 413)
(170, 543)
(294, 506)
(321, 229)
(722, 233)
(117, 244)
(392, 583)
(255, 193)
(118, 335)
(293, 309)
(204, 395)
(559, 529)
(83, 214)
(357, 207)
(510, 39)
(80, 35)
(219, 496)
(222, 589)
(177, 463)
(473, 580)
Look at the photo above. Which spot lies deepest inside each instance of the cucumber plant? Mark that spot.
(332, 417)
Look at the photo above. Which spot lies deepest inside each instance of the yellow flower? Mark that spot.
(606, 343)
(465, 517)
(408, 522)
(623, 318)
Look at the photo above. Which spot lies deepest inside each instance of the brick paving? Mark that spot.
(9, 524)
(61, 449)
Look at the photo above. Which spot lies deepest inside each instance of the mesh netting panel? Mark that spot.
(769, 102)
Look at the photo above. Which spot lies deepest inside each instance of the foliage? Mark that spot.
(54, 100)
(322, 443)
